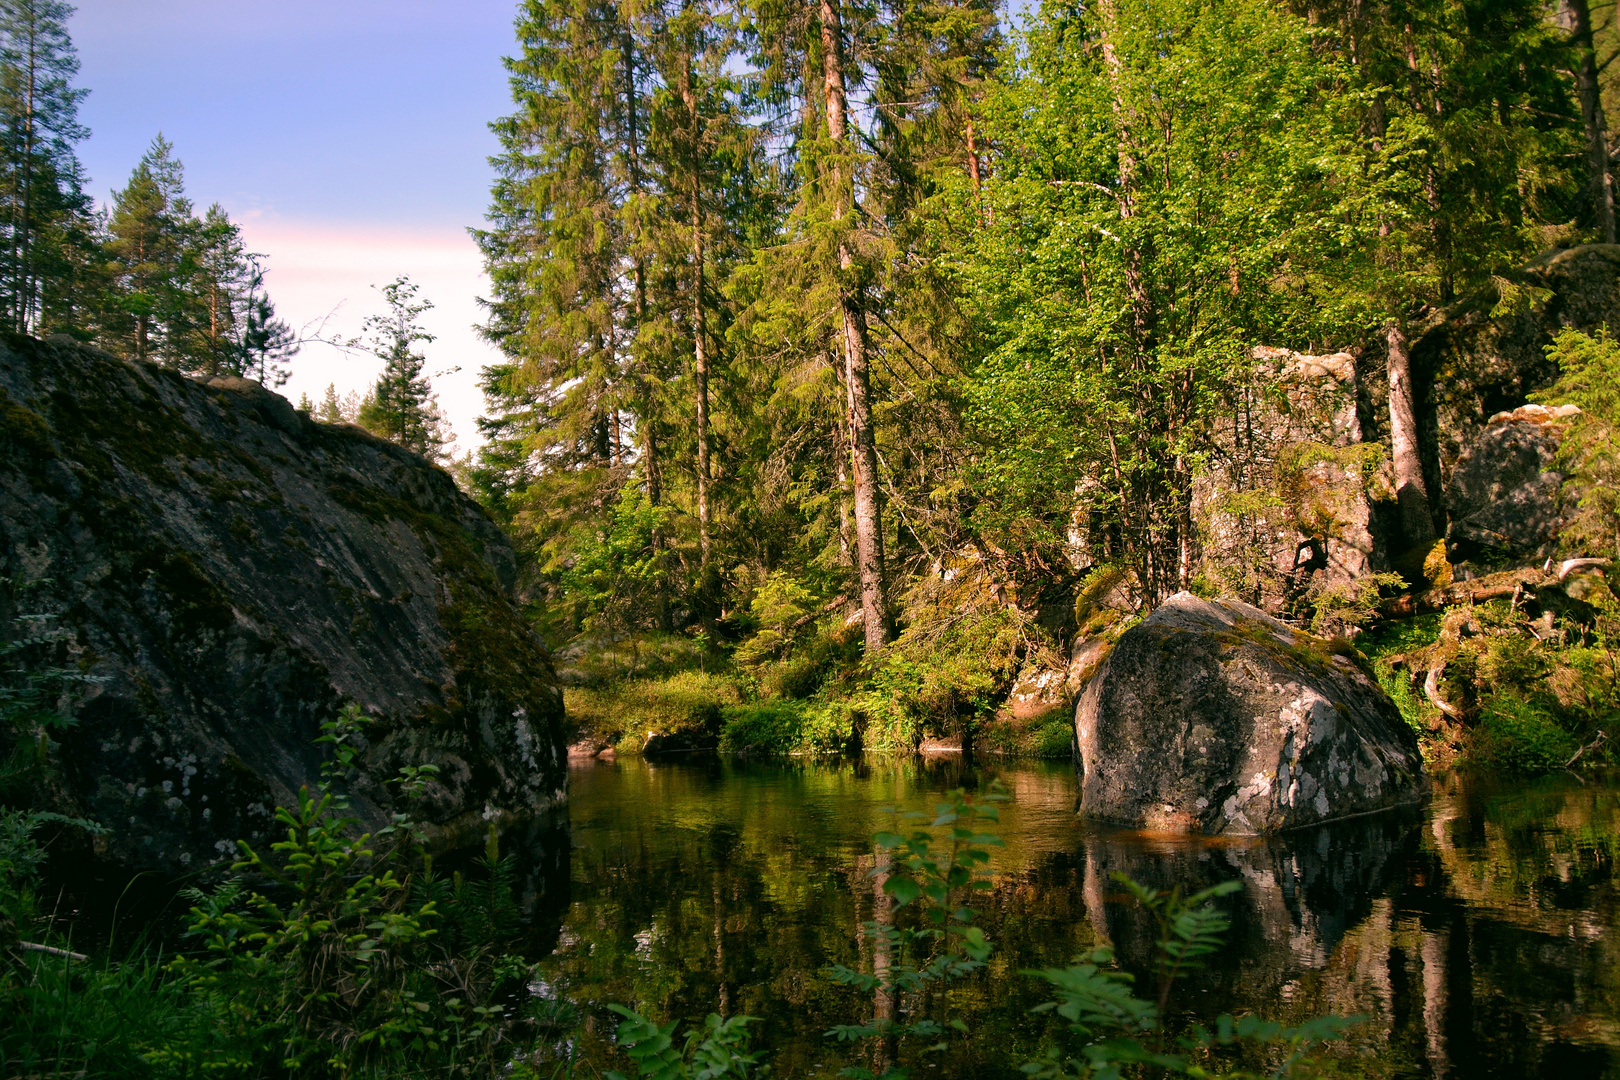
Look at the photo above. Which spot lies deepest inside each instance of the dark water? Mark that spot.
(1478, 937)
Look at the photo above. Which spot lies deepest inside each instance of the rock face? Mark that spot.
(1287, 503)
(1502, 501)
(1211, 716)
(1488, 353)
(235, 573)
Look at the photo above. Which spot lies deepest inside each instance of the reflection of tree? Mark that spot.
(1478, 942)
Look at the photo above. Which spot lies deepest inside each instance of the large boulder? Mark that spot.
(233, 574)
(1502, 501)
(1210, 716)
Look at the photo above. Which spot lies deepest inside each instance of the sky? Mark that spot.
(348, 138)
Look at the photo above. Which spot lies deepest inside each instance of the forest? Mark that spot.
(892, 396)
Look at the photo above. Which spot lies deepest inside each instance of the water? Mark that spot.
(1478, 936)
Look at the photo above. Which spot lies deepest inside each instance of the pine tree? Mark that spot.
(44, 214)
(565, 287)
(145, 254)
(401, 406)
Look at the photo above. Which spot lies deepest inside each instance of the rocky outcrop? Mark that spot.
(1211, 716)
(1487, 353)
(233, 573)
(1502, 501)
(1288, 502)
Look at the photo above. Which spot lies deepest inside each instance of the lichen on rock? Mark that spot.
(234, 573)
(1210, 716)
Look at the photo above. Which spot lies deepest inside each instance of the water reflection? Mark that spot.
(1477, 935)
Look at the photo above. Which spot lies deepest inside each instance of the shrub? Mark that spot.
(1522, 735)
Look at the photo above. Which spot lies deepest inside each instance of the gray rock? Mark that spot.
(1502, 501)
(235, 573)
(1287, 502)
(1211, 716)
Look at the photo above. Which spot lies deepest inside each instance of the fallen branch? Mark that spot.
(29, 946)
(1569, 566)
(1431, 690)
(1593, 745)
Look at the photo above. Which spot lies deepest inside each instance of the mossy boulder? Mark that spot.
(233, 574)
(1210, 716)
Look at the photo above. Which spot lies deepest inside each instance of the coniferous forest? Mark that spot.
(1175, 440)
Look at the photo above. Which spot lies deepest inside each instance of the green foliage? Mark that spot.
(718, 1049)
(1148, 199)
(401, 406)
(779, 608)
(1522, 735)
(770, 727)
(618, 575)
(1589, 378)
(353, 957)
(626, 712)
(936, 867)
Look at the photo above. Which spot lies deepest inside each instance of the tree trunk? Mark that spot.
(700, 354)
(1417, 519)
(1578, 14)
(700, 344)
(868, 523)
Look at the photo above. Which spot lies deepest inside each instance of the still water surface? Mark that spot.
(1478, 937)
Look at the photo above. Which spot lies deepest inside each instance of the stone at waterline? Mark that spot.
(235, 573)
(1211, 716)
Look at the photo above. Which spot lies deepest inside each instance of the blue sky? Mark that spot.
(348, 137)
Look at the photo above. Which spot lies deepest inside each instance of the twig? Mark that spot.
(1601, 735)
(48, 950)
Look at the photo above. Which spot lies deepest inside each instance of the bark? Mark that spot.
(1125, 121)
(1578, 14)
(857, 379)
(1417, 519)
(1439, 227)
(700, 344)
(973, 158)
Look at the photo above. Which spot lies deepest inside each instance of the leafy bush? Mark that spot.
(1522, 735)
(625, 713)
(765, 727)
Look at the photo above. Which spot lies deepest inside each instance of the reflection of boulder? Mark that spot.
(1303, 891)
(1211, 716)
(540, 848)
(1503, 497)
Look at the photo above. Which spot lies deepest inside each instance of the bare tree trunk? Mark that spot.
(700, 345)
(700, 355)
(1578, 14)
(973, 158)
(1417, 519)
(868, 524)
(1124, 119)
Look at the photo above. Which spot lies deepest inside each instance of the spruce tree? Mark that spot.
(563, 282)
(401, 406)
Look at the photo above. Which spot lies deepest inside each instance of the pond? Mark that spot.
(1477, 937)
